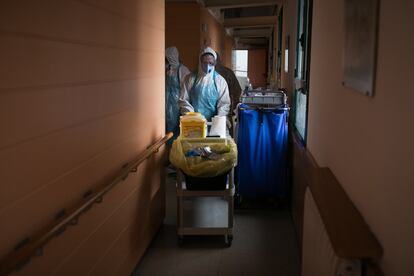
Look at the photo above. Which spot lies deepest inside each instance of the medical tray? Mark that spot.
(264, 97)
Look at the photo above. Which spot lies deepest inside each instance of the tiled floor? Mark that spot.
(264, 244)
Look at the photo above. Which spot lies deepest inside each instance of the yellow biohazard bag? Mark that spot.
(204, 157)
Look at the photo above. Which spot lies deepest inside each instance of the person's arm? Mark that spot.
(236, 92)
(223, 103)
(236, 84)
(184, 101)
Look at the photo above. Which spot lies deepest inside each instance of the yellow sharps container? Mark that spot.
(193, 125)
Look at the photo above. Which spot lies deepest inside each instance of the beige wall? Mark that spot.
(182, 29)
(78, 80)
(368, 142)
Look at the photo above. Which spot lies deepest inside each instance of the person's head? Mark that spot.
(208, 60)
(171, 56)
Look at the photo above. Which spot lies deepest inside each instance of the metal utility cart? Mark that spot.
(261, 100)
(262, 128)
(207, 212)
(265, 98)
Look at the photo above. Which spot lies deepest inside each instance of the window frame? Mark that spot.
(302, 72)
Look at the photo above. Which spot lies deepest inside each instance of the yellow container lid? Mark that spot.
(193, 114)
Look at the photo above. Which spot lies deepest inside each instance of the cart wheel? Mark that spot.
(228, 240)
(180, 240)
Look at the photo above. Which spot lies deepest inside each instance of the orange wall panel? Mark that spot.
(257, 67)
(213, 33)
(78, 82)
(226, 57)
(190, 27)
(182, 30)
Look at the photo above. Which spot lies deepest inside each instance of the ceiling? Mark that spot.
(250, 21)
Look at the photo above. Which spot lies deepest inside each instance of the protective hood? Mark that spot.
(209, 50)
(171, 54)
(206, 50)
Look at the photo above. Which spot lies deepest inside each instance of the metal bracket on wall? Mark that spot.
(349, 267)
(18, 247)
(61, 214)
(154, 151)
(124, 167)
(99, 199)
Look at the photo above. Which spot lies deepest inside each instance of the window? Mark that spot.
(240, 63)
(279, 42)
(286, 60)
(301, 93)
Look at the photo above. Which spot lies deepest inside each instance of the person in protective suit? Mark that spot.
(175, 73)
(235, 90)
(205, 91)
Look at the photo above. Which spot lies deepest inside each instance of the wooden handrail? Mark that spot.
(350, 236)
(35, 243)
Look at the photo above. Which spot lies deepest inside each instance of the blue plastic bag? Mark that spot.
(262, 144)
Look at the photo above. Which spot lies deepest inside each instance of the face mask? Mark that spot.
(209, 69)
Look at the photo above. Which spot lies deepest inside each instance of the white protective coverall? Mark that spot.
(205, 92)
(174, 76)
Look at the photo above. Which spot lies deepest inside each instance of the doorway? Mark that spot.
(257, 69)
(240, 67)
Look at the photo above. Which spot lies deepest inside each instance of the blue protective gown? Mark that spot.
(204, 97)
(172, 108)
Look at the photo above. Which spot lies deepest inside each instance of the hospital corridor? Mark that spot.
(206, 137)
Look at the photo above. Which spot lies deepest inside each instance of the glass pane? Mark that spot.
(300, 99)
(241, 63)
(300, 113)
(286, 60)
(240, 73)
(301, 35)
(300, 64)
(279, 43)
